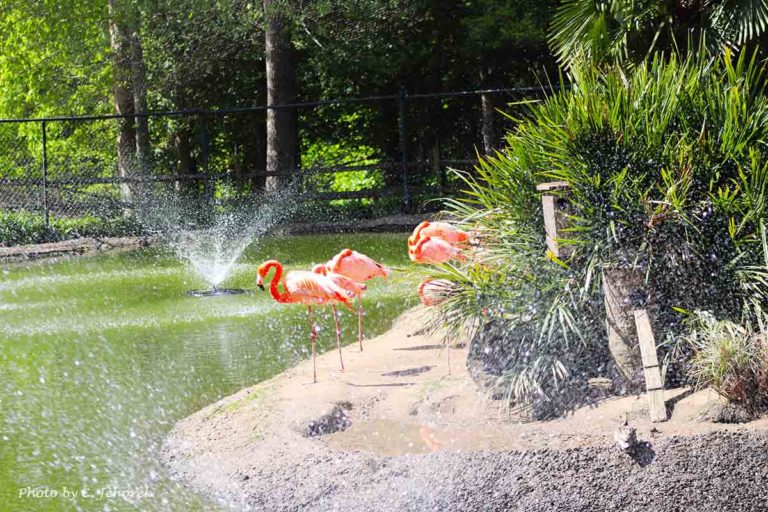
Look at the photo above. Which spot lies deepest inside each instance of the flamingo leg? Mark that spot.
(314, 343)
(338, 334)
(360, 321)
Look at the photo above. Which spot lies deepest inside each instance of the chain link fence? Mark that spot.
(366, 156)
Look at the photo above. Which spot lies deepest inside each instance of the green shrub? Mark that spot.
(19, 228)
(729, 358)
(667, 170)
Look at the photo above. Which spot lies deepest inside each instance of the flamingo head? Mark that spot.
(320, 269)
(262, 271)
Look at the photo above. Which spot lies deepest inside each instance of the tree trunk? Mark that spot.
(138, 75)
(123, 95)
(619, 287)
(185, 161)
(282, 123)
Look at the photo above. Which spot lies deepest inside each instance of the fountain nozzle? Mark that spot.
(215, 291)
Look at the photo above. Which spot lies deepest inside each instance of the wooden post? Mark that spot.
(554, 217)
(654, 384)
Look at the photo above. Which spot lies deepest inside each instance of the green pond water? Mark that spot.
(99, 356)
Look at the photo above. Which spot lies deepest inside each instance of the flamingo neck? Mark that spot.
(414, 239)
(418, 247)
(273, 285)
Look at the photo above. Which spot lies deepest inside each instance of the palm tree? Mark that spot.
(628, 30)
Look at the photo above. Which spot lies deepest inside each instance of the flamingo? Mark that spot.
(434, 291)
(444, 230)
(345, 283)
(434, 250)
(302, 287)
(359, 268)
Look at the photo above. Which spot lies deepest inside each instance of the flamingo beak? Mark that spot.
(260, 286)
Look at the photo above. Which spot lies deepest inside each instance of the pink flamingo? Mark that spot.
(444, 230)
(359, 268)
(434, 291)
(351, 287)
(434, 250)
(302, 287)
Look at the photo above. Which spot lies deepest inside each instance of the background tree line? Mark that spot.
(86, 57)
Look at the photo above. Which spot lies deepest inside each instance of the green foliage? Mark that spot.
(666, 168)
(19, 228)
(616, 31)
(350, 151)
(54, 58)
(729, 358)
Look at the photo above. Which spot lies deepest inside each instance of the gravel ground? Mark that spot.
(712, 472)
(426, 441)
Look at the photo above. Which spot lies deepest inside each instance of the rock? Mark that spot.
(72, 247)
(728, 413)
(335, 420)
(626, 438)
(429, 407)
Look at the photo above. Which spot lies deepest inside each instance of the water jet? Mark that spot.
(211, 235)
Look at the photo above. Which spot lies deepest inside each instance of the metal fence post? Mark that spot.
(402, 112)
(204, 155)
(46, 215)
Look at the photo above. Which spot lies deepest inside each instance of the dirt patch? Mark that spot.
(415, 437)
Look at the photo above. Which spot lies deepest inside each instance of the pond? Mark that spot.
(99, 356)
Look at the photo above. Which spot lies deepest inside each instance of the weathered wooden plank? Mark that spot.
(550, 223)
(653, 380)
(552, 185)
(555, 208)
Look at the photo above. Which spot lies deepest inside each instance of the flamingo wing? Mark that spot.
(356, 266)
(447, 232)
(346, 283)
(310, 288)
(435, 250)
(443, 230)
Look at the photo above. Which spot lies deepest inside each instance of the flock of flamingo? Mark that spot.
(343, 277)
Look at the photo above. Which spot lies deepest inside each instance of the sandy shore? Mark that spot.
(397, 431)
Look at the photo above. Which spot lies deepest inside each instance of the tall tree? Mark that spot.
(120, 45)
(282, 123)
(139, 83)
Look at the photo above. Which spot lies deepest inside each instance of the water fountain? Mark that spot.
(211, 238)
